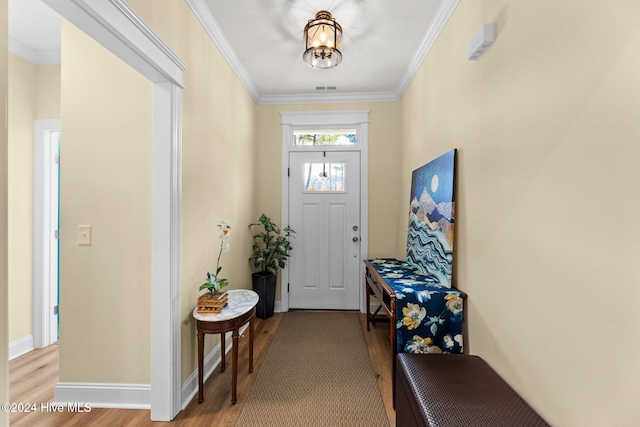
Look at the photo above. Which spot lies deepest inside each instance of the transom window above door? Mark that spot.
(325, 137)
(324, 198)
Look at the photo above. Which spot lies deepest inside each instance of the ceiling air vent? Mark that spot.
(326, 88)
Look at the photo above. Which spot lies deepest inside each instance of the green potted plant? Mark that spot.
(270, 253)
(213, 300)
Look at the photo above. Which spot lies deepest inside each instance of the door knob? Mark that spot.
(355, 238)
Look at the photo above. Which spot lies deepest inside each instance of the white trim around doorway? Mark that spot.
(42, 232)
(117, 27)
(329, 119)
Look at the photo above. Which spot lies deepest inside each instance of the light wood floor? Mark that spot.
(33, 376)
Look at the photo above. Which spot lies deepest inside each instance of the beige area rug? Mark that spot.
(317, 372)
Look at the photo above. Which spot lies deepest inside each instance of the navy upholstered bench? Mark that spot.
(456, 390)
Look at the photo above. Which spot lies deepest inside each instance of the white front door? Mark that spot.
(324, 210)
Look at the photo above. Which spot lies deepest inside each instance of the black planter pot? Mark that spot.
(264, 284)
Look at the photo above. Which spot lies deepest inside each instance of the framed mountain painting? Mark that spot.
(431, 218)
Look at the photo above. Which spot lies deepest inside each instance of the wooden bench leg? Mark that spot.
(368, 292)
(375, 313)
(394, 353)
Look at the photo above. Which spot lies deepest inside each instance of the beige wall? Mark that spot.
(22, 112)
(547, 242)
(34, 93)
(105, 177)
(544, 124)
(218, 137)
(384, 160)
(229, 153)
(4, 329)
(48, 91)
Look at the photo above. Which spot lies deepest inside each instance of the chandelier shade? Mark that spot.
(322, 41)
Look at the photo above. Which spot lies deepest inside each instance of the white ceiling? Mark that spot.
(34, 31)
(384, 42)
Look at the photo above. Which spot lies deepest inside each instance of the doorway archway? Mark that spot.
(117, 27)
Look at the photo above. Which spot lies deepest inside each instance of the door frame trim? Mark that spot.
(42, 231)
(358, 119)
(115, 25)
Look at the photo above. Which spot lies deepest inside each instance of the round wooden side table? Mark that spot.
(240, 309)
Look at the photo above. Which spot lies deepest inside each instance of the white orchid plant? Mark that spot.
(214, 282)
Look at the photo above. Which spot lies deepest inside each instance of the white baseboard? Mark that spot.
(134, 396)
(120, 396)
(20, 347)
(211, 362)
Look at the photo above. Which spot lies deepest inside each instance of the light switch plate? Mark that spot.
(84, 235)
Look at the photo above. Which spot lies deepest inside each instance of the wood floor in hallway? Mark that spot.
(33, 376)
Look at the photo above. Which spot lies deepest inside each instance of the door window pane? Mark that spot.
(324, 177)
(325, 137)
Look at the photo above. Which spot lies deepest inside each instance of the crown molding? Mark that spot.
(40, 57)
(47, 57)
(437, 24)
(206, 19)
(22, 50)
(210, 25)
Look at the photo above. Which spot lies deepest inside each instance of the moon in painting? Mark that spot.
(434, 183)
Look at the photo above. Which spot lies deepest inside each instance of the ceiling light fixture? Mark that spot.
(322, 40)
